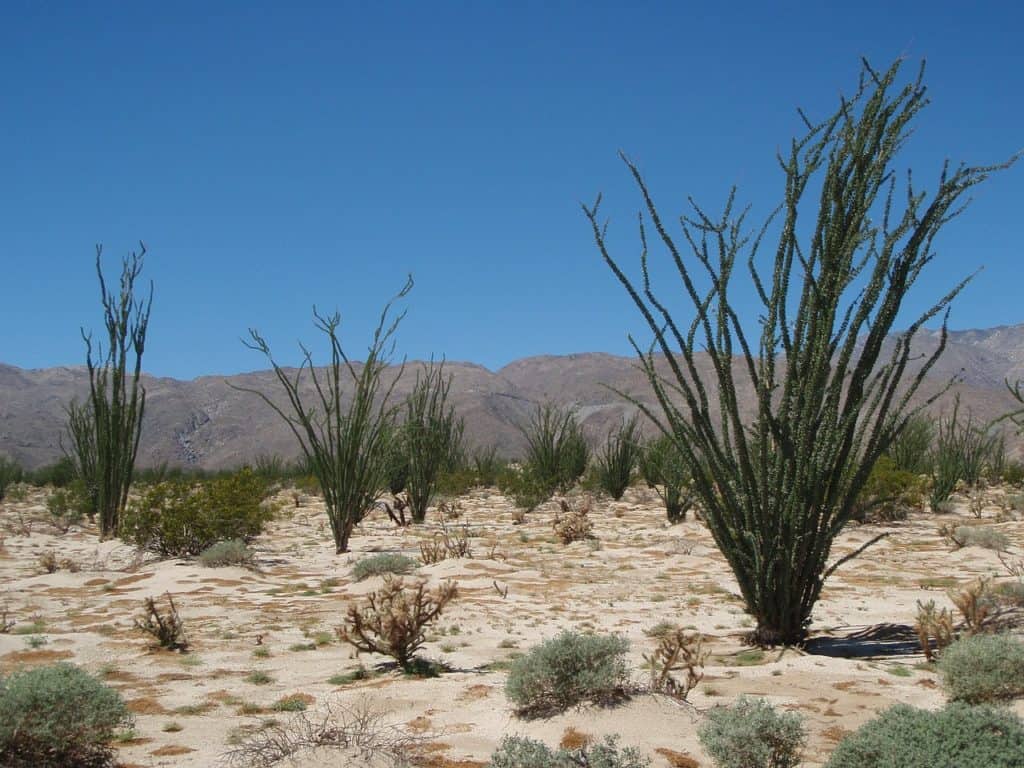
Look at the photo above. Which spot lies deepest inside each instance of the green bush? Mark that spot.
(889, 494)
(488, 466)
(959, 736)
(225, 553)
(525, 489)
(67, 505)
(752, 734)
(59, 474)
(566, 670)
(983, 668)
(378, 565)
(58, 717)
(910, 450)
(522, 752)
(177, 518)
(663, 469)
(10, 473)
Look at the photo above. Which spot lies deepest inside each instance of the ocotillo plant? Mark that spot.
(556, 450)
(618, 458)
(343, 436)
(432, 436)
(777, 488)
(104, 430)
(664, 470)
(912, 448)
(962, 449)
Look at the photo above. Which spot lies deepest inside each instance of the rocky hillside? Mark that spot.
(208, 422)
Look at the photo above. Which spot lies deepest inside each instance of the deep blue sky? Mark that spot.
(277, 155)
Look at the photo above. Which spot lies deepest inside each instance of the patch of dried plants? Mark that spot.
(394, 619)
(934, 629)
(677, 650)
(359, 731)
(163, 624)
(573, 523)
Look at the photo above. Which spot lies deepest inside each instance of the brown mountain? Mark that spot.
(207, 423)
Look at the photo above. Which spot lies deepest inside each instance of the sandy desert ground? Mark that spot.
(190, 708)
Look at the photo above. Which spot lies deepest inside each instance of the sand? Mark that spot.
(279, 619)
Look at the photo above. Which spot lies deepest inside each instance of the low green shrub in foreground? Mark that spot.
(751, 733)
(566, 670)
(378, 565)
(521, 752)
(58, 717)
(959, 736)
(983, 668)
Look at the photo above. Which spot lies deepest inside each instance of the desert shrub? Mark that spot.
(566, 670)
(523, 752)
(664, 470)
(456, 481)
(163, 624)
(958, 736)
(911, 449)
(982, 536)
(983, 668)
(752, 734)
(224, 553)
(524, 487)
(572, 523)
(58, 717)
(976, 603)
(677, 650)
(1013, 473)
(889, 493)
(934, 628)
(59, 474)
(10, 473)
(66, 506)
(384, 563)
(618, 459)
(177, 518)
(394, 619)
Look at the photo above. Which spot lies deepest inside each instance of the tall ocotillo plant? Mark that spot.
(618, 458)
(664, 470)
(776, 489)
(343, 437)
(432, 436)
(556, 450)
(104, 430)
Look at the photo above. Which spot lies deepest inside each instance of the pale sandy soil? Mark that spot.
(638, 572)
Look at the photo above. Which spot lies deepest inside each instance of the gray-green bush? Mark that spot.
(568, 669)
(58, 716)
(523, 752)
(983, 668)
(983, 536)
(958, 736)
(385, 562)
(751, 733)
(225, 553)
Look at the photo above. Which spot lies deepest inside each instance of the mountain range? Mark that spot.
(208, 423)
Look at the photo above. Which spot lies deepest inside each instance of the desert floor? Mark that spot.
(191, 707)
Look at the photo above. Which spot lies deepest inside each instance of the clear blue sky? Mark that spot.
(277, 155)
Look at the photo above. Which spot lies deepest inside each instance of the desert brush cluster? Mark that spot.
(837, 579)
